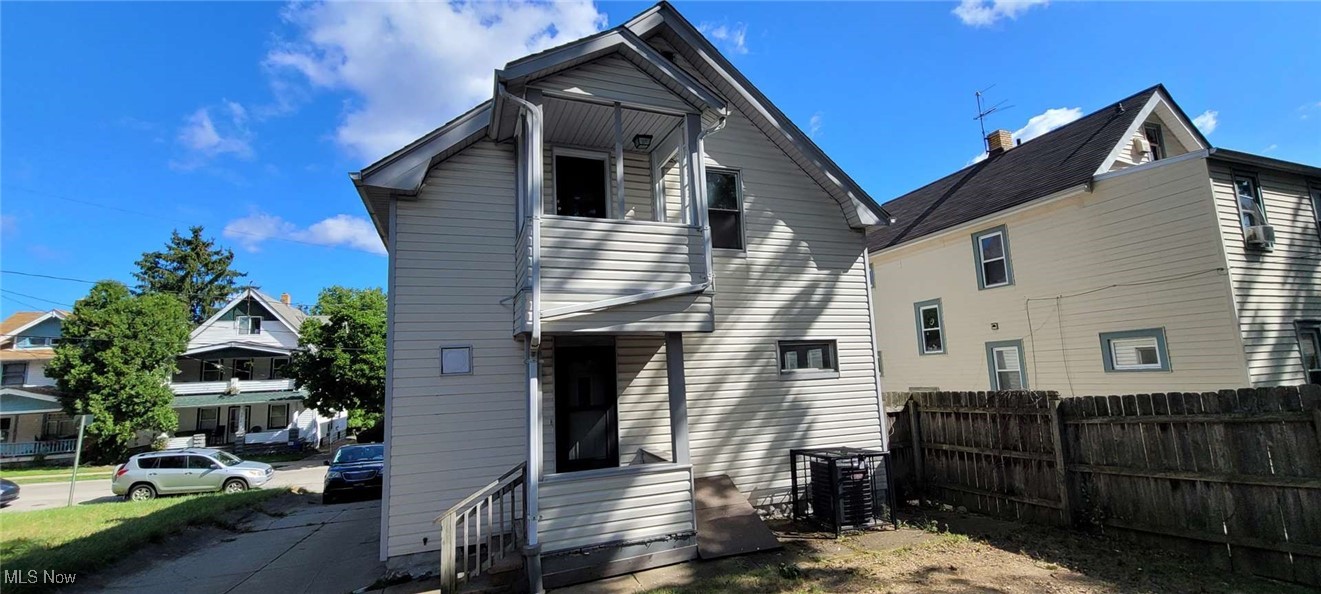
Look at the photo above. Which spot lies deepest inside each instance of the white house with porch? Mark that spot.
(624, 280)
(32, 419)
(231, 386)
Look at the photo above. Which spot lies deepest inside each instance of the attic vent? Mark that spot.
(668, 55)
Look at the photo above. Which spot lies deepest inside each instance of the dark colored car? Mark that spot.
(354, 469)
(8, 492)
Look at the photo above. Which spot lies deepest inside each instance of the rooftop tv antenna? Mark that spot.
(983, 111)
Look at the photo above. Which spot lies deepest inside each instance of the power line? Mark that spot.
(34, 297)
(175, 293)
(21, 302)
(63, 278)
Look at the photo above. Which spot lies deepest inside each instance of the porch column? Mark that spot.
(242, 428)
(678, 397)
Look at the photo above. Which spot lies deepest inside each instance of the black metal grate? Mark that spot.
(842, 488)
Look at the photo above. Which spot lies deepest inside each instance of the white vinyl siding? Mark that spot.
(614, 78)
(1095, 250)
(1276, 288)
(578, 512)
(1135, 353)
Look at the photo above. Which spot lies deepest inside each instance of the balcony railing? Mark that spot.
(38, 448)
(273, 385)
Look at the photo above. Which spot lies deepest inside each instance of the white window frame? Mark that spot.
(1157, 147)
(1308, 330)
(1137, 344)
(563, 151)
(245, 325)
(1259, 215)
(1003, 233)
(1015, 345)
(807, 372)
(738, 199)
(1157, 339)
(1315, 191)
(919, 308)
(272, 407)
(220, 369)
(465, 347)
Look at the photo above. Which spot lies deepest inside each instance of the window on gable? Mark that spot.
(1136, 350)
(249, 324)
(991, 248)
(1251, 210)
(213, 370)
(581, 184)
(1005, 363)
(930, 328)
(1309, 344)
(1156, 139)
(725, 207)
(15, 374)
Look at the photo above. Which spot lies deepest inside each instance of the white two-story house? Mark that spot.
(1118, 254)
(230, 384)
(625, 273)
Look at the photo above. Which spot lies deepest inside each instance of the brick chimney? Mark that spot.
(285, 299)
(999, 141)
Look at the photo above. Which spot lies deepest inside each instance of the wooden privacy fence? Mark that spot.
(1233, 476)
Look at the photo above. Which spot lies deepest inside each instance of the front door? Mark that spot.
(586, 421)
(235, 421)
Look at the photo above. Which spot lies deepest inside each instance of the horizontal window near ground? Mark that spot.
(1135, 350)
(799, 356)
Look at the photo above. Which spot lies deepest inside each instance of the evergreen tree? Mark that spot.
(193, 269)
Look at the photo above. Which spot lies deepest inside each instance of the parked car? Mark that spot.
(8, 492)
(354, 469)
(145, 476)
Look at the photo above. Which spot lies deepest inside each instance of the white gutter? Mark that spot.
(534, 205)
(701, 179)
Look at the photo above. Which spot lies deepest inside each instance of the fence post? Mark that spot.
(1061, 460)
(915, 432)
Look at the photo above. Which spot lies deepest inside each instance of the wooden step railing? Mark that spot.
(479, 531)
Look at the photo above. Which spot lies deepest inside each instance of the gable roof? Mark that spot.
(290, 316)
(402, 172)
(20, 321)
(1064, 158)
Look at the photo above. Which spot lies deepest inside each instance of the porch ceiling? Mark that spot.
(200, 400)
(15, 404)
(579, 123)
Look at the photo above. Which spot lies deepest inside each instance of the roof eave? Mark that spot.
(1243, 158)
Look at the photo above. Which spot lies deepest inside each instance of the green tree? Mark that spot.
(115, 361)
(342, 363)
(192, 268)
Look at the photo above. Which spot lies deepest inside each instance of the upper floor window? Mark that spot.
(1309, 344)
(1316, 207)
(278, 368)
(581, 184)
(249, 324)
(243, 369)
(213, 370)
(1247, 191)
(1135, 350)
(991, 247)
(724, 193)
(36, 342)
(1155, 139)
(15, 374)
(930, 327)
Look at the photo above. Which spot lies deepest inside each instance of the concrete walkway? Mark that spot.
(315, 548)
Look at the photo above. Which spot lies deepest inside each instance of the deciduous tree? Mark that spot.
(342, 362)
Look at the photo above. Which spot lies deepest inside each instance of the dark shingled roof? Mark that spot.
(1060, 159)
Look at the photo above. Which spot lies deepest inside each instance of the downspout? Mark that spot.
(705, 220)
(532, 480)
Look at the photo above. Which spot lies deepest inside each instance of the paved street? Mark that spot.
(314, 548)
(307, 474)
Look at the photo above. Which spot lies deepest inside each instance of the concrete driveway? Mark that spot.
(308, 474)
(315, 548)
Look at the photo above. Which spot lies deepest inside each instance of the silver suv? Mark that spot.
(145, 476)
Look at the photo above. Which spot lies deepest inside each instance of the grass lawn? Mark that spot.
(55, 474)
(85, 538)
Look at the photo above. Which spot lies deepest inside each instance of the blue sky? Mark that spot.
(122, 121)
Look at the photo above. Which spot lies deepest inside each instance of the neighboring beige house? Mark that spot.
(32, 418)
(627, 271)
(1118, 253)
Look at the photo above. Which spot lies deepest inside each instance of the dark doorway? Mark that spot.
(586, 420)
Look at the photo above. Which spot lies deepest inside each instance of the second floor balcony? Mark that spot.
(220, 371)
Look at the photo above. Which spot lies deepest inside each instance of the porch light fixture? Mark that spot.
(642, 142)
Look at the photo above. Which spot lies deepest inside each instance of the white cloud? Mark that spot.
(254, 230)
(1208, 121)
(1040, 124)
(205, 137)
(409, 67)
(984, 13)
(8, 224)
(733, 37)
(814, 124)
(1271, 148)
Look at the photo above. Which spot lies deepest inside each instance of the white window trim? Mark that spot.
(564, 151)
(997, 371)
(810, 373)
(1158, 151)
(982, 260)
(219, 363)
(1257, 200)
(244, 322)
(742, 213)
(1154, 344)
(940, 329)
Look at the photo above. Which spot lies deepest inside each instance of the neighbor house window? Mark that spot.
(249, 324)
(278, 367)
(213, 370)
(803, 358)
(1251, 210)
(1004, 360)
(58, 425)
(991, 248)
(930, 327)
(725, 197)
(243, 369)
(35, 342)
(1156, 139)
(1135, 350)
(455, 360)
(15, 374)
(1309, 343)
(581, 184)
(277, 417)
(207, 419)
